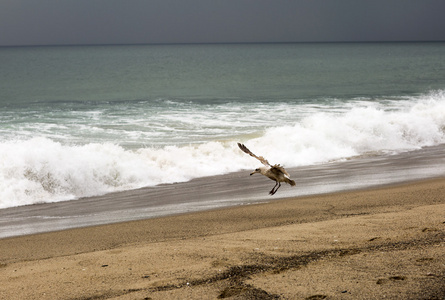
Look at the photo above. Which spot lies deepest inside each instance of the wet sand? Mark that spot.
(223, 191)
(386, 242)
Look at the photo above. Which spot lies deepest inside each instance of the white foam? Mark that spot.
(368, 128)
(42, 170)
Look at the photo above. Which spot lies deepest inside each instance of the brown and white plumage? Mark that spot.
(275, 172)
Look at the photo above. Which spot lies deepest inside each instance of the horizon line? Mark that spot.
(221, 43)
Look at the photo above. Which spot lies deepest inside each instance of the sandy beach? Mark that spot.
(386, 242)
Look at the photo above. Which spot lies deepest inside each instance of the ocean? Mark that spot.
(90, 120)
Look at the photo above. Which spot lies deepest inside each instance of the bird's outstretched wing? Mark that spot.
(260, 158)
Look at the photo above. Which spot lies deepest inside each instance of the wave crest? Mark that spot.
(42, 170)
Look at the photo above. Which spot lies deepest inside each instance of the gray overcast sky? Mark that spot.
(64, 22)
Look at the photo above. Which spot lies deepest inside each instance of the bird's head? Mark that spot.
(254, 172)
(260, 170)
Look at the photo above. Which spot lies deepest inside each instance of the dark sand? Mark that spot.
(382, 242)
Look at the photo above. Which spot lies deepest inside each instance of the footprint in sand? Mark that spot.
(389, 279)
(429, 229)
(424, 259)
(316, 297)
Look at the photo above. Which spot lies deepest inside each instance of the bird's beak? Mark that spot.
(253, 173)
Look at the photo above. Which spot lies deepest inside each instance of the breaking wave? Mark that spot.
(40, 169)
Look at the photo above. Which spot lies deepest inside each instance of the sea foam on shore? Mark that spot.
(40, 169)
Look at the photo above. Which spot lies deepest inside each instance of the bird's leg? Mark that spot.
(279, 184)
(275, 188)
(272, 191)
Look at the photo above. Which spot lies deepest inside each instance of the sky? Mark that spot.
(73, 22)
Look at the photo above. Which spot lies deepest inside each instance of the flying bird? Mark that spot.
(275, 172)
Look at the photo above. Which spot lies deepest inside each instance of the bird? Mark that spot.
(275, 172)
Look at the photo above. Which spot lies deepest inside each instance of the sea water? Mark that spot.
(89, 120)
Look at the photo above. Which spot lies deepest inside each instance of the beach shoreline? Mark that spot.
(233, 189)
(363, 244)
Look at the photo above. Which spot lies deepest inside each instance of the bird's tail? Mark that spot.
(290, 181)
